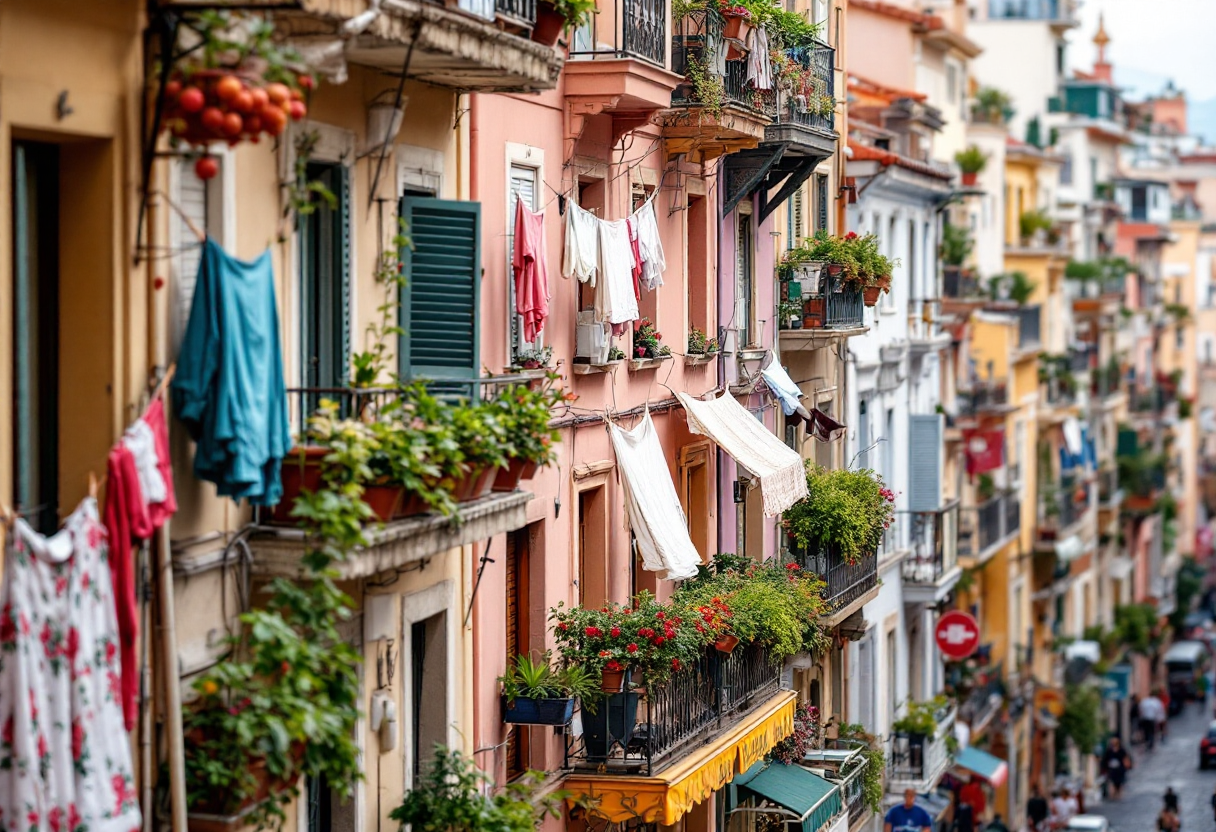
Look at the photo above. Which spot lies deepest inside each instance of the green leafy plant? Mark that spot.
(576, 12)
(971, 160)
(807, 734)
(1180, 312)
(284, 702)
(1016, 285)
(788, 310)
(956, 244)
(986, 487)
(1081, 721)
(873, 788)
(527, 678)
(524, 412)
(1143, 473)
(533, 359)
(708, 88)
(1031, 222)
(1137, 628)
(647, 340)
(453, 795)
(615, 353)
(992, 106)
(921, 718)
(701, 344)
(845, 510)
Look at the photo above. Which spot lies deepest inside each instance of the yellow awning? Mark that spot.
(667, 796)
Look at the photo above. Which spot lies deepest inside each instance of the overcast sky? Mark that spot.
(1152, 41)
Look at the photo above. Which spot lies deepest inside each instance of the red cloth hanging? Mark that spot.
(531, 270)
(154, 418)
(126, 519)
(985, 450)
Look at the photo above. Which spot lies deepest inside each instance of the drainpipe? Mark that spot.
(473, 144)
(720, 458)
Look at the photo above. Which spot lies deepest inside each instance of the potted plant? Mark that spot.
(647, 342)
(536, 359)
(845, 511)
(481, 437)
(1033, 224)
(834, 252)
(808, 734)
(524, 412)
(556, 16)
(992, 106)
(789, 314)
(738, 22)
(700, 347)
(454, 795)
(533, 693)
(283, 704)
(920, 721)
(971, 162)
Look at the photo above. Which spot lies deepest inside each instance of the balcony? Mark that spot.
(931, 568)
(1057, 12)
(984, 529)
(843, 763)
(983, 701)
(459, 46)
(1109, 494)
(805, 121)
(1106, 382)
(986, 396)
(618, 65)
(919, 762)
(640, 733)
(830, 310)
(961, 284)
(707, 120)
(849, 585)
(1063, 506)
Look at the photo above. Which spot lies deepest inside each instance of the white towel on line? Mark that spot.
(614, 298)
(581, 258)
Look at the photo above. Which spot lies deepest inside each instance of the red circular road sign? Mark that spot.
(957, 635)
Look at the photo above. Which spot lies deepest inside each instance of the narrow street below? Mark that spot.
(1176, 763)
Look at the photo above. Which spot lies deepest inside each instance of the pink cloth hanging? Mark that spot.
(531, 270)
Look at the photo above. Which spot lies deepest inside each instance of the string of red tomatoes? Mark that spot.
(210, 105)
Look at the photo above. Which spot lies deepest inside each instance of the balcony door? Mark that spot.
(324, 283)
(35, 321)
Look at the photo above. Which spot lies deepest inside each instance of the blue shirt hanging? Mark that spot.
(229, 391)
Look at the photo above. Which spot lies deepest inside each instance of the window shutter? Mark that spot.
(439, 304)
(797, 218)
(192, 199)
(344, 260)
(865, 679)
(821, 188)
(522, 186)
(924, 462)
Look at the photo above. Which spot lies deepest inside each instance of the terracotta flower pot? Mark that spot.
(969, 179)
(385, 501)
(737, 27)
(475, 485)
(507, 479)
(834, 269)
(813, 312)
(726, 643)
(612, 681)
(299, 471)
(549, 24)
(870, 295)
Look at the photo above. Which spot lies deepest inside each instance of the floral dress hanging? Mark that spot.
(65, 759)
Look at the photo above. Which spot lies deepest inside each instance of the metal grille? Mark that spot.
(640, 32)
(519, 11)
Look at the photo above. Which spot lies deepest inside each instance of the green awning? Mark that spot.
(814, 800)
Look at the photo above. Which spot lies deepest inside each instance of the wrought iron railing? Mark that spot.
(1108, 485)
(832, 303)
(916, 761)
(1059, 507)
(643, 730)
(933, 541)
(814, 107)
(1029, 324)
(699, 47)
(517, 11)
(984, 527)
(984, 700)
(638, 29)
(852, 789)
(983, 395)
(1060, 390)
(845, 582)
(1079, 357)
(960, 283)
(1106, 381)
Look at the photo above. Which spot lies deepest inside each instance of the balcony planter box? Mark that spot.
(299, 471)
(507, 479)
(475, 485)
(698, 360)
(612, 723)
(870, 295)
(636, 364)
(970, 179)
(385, 501)
(737, 27)
(1135, 502)
(527, 711)
(814, 311)
(207, 815)
(549, 24)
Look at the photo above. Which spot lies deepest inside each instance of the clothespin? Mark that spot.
(92, 485)
(164, 382)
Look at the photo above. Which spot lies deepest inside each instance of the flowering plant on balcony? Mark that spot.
(701, 344)
(734, 10)
(921, 718)
(774, 604)
(647, 341)
(524, 411)
(808, 734)
(845, 511)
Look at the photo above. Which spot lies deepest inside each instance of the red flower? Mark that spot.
(41, 745)
(614, 666)
(793, 567)
(852, 235)
(111, 652)
(630, 648)
(563, 626)
(614, 632)
(658, 641)
(675, 664)
(77, 739)
(7, 735)
(605, 654)
(72, 645)
(646, 632)
(660, 615)
(641, 351)
(593, 632)
(658, 336)
(54, 818)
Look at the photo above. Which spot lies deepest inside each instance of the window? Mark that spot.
(700, 275)
(429, 682)
(695, 495)
(521, 185)
(913, 266)
(888, 447)
(324, 238)
(518, 640)
(36, 332)
(745, 300)
(593, 546)
(892, 682)
(863, 434)
(819, 15)
(865, 679)
(439, 304)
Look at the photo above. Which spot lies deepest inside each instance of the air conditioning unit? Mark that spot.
(592, 340)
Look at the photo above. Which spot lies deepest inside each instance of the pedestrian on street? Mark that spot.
(997, 825)
(1152, 717)
(1037, 810)
(1116, 762)
(1167, 821)
(907, 816)
(1171, 799)
(964, 817)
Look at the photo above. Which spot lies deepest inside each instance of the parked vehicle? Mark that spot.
(1185, 662)
(1207, 747)
(1088, 823)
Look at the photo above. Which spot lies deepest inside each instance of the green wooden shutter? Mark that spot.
(924, 462)
(439, 304)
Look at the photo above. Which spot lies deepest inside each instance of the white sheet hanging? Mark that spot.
(650, 246)
(744, 437)
(759, 67)
(615, 301)
(652, 506)
(1072, 436)
(581, 258)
